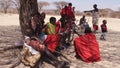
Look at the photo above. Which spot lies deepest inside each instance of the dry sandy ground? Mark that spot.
(13, 19)
(110, 49)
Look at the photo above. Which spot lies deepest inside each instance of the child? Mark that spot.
(104, 30)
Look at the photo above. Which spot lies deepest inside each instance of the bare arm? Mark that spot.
(95, 9)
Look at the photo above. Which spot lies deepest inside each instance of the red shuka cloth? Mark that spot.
(70, 12)
(52, 42)
(58, 26)
(87, 48)
(64, 11)
(95, 27)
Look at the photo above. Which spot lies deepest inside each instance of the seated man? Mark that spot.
(29, 56)
(45, 53)
(87, 47)
(51, 40)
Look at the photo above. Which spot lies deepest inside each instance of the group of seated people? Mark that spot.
(42, 40)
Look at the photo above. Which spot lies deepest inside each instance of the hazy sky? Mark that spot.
(83, 5)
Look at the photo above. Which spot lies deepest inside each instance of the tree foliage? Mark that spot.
(41, 4)
(104, 12)
(5, 4)
(16, 4)
(119, 9)
(59, 5)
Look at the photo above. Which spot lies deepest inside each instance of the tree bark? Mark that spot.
(27, 8)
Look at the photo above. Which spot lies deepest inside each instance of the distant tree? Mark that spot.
(60, 4)
(5, 4)
(27, 8)
(41, 4)
(115, 14)
(88, 14)
(16, 4)
(119, 9)
(105, 12)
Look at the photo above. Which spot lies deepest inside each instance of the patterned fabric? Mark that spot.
(28, 58)
(95, 17)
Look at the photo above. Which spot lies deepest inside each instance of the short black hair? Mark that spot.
(52, 19)
(104, 21)
(70, 4)
(95, 5)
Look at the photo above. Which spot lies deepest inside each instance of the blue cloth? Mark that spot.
(86, 25)
(42, 36)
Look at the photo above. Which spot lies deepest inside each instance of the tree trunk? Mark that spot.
(27, 8)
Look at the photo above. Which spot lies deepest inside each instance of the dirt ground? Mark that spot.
(109, 49)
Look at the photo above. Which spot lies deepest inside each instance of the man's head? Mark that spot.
(34, 41)
(69, 4)
(36, 44)
(52, 20)
(95, 6)
(73, 8)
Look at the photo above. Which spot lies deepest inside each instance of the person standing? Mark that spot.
(104, 30)
(70, 12)
(95, 17)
